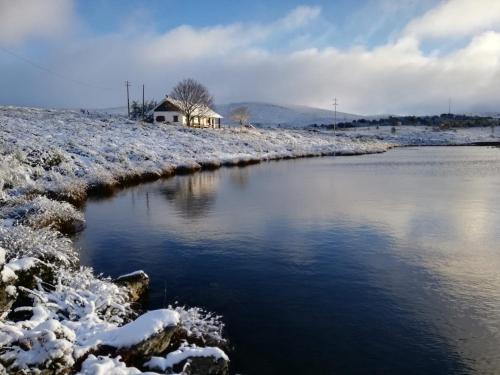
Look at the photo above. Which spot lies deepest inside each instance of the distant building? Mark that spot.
(169, 112)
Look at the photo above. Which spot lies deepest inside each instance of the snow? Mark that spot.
(200, 324)
(424, 136)
(9, 270)
(131, 274)
(272, 115)
(137, 331)
(50, 343)
(65, 151)
(2, 256)
(11, 290)
(183, 353)
(108, 366)
(40, 212)
(49, 158)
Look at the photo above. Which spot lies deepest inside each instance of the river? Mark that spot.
(379, 264)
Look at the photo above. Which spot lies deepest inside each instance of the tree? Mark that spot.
(193, 98)
(136, 109)
(240, 115)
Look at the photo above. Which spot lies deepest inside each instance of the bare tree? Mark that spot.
(193, 98)
(240, 115)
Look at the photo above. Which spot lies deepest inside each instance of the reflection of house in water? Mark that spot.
(239, 177)
(192, 195)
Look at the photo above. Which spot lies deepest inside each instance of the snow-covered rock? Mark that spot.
(103, 365)
(200, 360)
(139, 331)
(136, 283)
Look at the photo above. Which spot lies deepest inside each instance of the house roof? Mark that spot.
(172, 105)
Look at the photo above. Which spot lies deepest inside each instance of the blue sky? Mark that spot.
(342, 22)
(376, 56)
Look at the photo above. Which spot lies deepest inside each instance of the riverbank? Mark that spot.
(59, 316)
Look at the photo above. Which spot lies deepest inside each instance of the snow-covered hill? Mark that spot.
(270, 115)
(265, 114)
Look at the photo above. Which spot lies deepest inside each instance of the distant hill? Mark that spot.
(265, 114)
(273, 115)
(112, 111)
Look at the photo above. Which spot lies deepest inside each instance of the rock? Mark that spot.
(204, 366)
(8, 295)
(137, 284)
(154, 345)
(136, 354)
(22, 272)
(138, 340)
(27, 277)
(191, 359)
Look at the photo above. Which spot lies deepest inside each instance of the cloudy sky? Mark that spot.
(376, 56)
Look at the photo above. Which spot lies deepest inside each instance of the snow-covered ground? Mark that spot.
(425, 136)
(287, 116)
(56, 313)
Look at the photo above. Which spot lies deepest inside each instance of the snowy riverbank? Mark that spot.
(57, 315)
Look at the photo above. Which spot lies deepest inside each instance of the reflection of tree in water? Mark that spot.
(239, 177)
(192, 195)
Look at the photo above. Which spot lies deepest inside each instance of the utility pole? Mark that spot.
(449, 106)
(143, 102)
(127, 84)
(335, 104)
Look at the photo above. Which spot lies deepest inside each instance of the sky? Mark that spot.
(374, 56)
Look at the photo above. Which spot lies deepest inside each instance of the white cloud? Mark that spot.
(24, 19)
(187, 42)
(395, 77)
(457, 18)
(299, 17)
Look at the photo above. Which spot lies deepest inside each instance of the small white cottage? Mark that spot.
(169, 112)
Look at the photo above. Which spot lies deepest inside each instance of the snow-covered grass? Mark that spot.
(54, 311)
(65, 151)
(424, 136)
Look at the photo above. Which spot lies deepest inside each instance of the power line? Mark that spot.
(50, 71)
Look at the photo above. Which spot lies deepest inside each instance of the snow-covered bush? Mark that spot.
(44, 244)
(40, 212)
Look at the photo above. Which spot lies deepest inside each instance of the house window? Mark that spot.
(176, 118)
(160, 118)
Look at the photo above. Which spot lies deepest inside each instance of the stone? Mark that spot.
(203, 366)
(137, 284)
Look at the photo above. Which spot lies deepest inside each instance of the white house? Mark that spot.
(169, 112)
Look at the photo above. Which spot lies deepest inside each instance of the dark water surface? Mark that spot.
(378, 264)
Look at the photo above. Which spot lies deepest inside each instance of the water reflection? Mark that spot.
(193, 195)
(374, 264)
(240, 177)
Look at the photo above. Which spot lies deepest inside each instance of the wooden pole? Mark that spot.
(143, 102)
(335, 104)
(127, 83)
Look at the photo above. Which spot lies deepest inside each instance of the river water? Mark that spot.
(379, 264)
